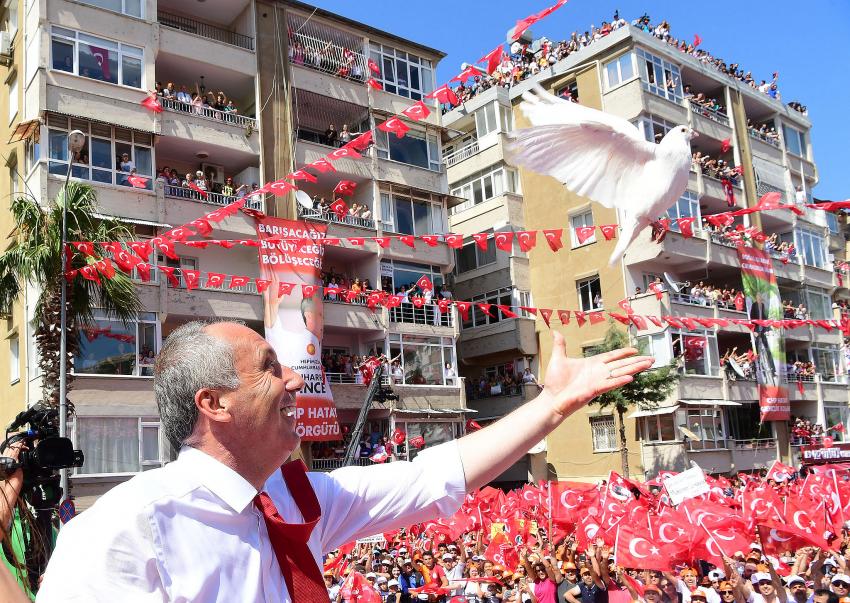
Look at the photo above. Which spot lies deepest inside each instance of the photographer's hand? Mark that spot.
(10, 489)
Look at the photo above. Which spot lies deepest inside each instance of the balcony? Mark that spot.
(205, 30)
(326, 465)
(511, 334)
(316, 46)
(355, 315)
(427, 315)
(495, 406)
(178, 192)
(331, 218)
(461, 154)
(711, 114)
(224, 117)
(769, 140)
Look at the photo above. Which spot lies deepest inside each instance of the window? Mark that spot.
(506, 296)
(109, 347)
(686, 207)
(14, 359)
(570, 92)
(396, 274)
(415, 148)
(434, 433)
(659, 76)
(96, 58)
(826, 360)
(832, 222)
(659, 428)
(818, 303)
(812, 246)
(117, 445)
(485, 185)
(657, 346)
(492, 117)
(471, 256)
(589, 294)
(11, 18)
(696, 352)
(102, 158)
(654, 128)
(619, 70)
(604, 433)
(706, 424)
(422, 357)
(837, 415)
(33, 151)
(125, 7)
(745, 424)
(402, 73)
(13, 178)
(13, 98)
(578, 221)
(414, 215)
(795, 141)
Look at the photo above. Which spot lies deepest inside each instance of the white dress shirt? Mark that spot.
(189, 531)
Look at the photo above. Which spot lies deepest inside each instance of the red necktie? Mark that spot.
(289, 540)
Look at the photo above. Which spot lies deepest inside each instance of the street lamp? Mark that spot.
(76, 141)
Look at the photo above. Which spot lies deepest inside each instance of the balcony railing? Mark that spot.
(700, 445)
(686, 298)
(178, 192)
(461, 154)
(762, 137)
(757, 444)
(331, 464)
(205, 30)
(355, 379)
(329, 216)
(711, 114)
(324, 55)
(242, 121)
(428, 314)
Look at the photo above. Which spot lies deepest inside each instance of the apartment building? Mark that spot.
(87, 64)
(710, 418)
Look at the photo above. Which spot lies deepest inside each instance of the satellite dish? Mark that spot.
(737, 368)
(304, 199)
(689, 434)
(671, 282)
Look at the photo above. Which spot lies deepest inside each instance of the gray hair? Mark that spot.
(190, 359)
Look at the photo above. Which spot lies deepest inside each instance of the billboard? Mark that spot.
(294, 322)
(764, 306)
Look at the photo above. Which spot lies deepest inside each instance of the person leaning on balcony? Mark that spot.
(183, 96)
(228, 190)
(331, 135)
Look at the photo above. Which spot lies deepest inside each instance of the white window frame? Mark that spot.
(448, 354)
(651, 426)
(811, 246)
(511, 295)
(823, 353)
(710, 360)
(818, 298)
(435, 160)
(603, 433)
(384, 55)
(143, 422)
(436, 211)
(617, 67)
(11, 18)
(72, 37)
(13, 96)
(480, 259)
(499, 180)
(834, 414)
(405, 452)
(706, 417)
(498, 119)
(588, 283)
(647, 123)
(663, 68)
(122, 11)
(579, 220)
(143, 319)
(799, 148)
(14, 358)
(687, 206)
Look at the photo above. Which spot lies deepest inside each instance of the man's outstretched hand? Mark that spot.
(572, 382)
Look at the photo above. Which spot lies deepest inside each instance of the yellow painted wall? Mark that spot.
(12, 394)
(553, 284)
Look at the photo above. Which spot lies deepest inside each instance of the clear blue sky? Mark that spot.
(805, 41)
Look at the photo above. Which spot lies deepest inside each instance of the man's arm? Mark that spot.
(571, 595)
(570, 384)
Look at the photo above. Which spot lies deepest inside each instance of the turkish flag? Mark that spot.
(769, 201)
(431, 240)
(309, 290)
(633, 548)
(502, 551)
(486, 309)
(454, 241)
(595, 318)
(322, 165)
(378, 457)
(181, 233)
(169, 273)
(493, 58)
(417, 112)
(580, 317)
(609, 231)
(695, 347)
(553, 237)
(238, 281)
(697, 40)
(356, 241)
(408, 240)
(344, 153)
(357, 589)
(472, 425)
(374, 83)
(202, 226)
(481, 240)
(545, 314)
(417, 442)
(197, 189)
(658, 289)
(126, 260)
(424, 283)
(373, 67)
(725, 145)
(395, 126)
(84, 247)
(739, 301)
(215, 279)
(262, 284)
(507, 311)
(626, 306)
(393, 301)
(89, 272)
(583, 233)
(362, 142)
(144, 271)
(444, 95)
(152, 103)
(527, 239)
(398, 436)
(563, 316)
(345, 188)
(165, 246)
(105, 267)
(463, 308)
(504, 241)
(720, 220)
(730, 533)
(137, 181)
(384, 242)
(444, 305)
(302, 175)
(467, 74)
(191, 277)
(101, 55)
(340, 208)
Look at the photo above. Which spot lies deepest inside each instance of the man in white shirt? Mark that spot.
(189, 531)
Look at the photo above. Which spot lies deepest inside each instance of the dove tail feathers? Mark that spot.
(625, 238)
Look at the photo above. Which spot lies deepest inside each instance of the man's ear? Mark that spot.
(212, 405)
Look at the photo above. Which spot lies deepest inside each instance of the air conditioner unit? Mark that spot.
(5, 43)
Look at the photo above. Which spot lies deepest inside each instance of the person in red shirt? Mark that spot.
(434, 574)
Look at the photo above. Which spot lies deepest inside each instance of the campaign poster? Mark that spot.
(764, 305)
(294, 322)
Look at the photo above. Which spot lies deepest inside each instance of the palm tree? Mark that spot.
(34, 258)
(648, 389)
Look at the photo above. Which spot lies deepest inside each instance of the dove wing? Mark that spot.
(596, 155)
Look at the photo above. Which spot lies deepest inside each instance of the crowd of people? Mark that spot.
(707, 294)
(346, 65)
(785, 250)
(707, 105)
(803, 431)
(789, 310)
(801, 370)
(198, 100)
(339, 138)
(194, 184)
(345, 283)
(502, 383)
(745, 362)
(355, 210)
(763, 131)
(714, 167)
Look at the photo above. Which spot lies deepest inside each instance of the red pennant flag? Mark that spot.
(137, 181)
(89, 272)
(417, 112)
(262, 284)
(281, 187)
(152, 103)
(580, 320)
(373, 67)
(344, 153)
(697, 40)
(361, 143)
(165, 246)
(384, 242)
(609, 231)
(144, 271)
(215, 280)
(417, 442)
(407, 240)
(394, 126)
(238, 281)
(626, 306)
(191, 277)
(302, 175)
(481, 240)
(546, 315)
(340, 208)
(654, 320)
(583, 233)
(431, 240)
(454, 241)
(393, 301)
(472, 425)
(203, 226)
(322, 165)
(443, 305)
(638, 321)
(739, 301)
(553, 237)
(485, 308)
(463, 308)
(85, 247)
(417, 301)
(181, 233)
(126, 260)
(444, 95)
(720, 220)
(564, 316)
(658, 289)
(356, 241)
(800, 387)
(504, 241)
(470, 73)
(374, 83)
(686, 226)
(527, 239)
(492, 58)
(725, 145)
(424, 283)
(169, 273)
(191, 184)
(284, 289)
(595, 318)
(105, 267)
(507, 311)
(308, 290)
(345, 188)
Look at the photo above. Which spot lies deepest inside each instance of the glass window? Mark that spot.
(423, 358)
(744, 423)
(579, 221)
(115, 445)
(619, 70)
(826, 360)
(659, 76)
(812, 246)
(686, 207)
(412, 215)
(837, 415)
(589, 294)
(485, 185)
(13, 98)
(109, 347)
(604, 433)
(654, 128)
(506, 296)
(471, 256)
(415, 148)
(127, 7)
(96, 58)
(659, 428)
(14, 359)
(695, 352)
(818, 303)
(703, 428)
(795, 141)
(402, 73)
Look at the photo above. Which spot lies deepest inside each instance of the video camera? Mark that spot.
(46, 453)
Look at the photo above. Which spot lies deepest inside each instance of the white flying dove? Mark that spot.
(604, 158)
